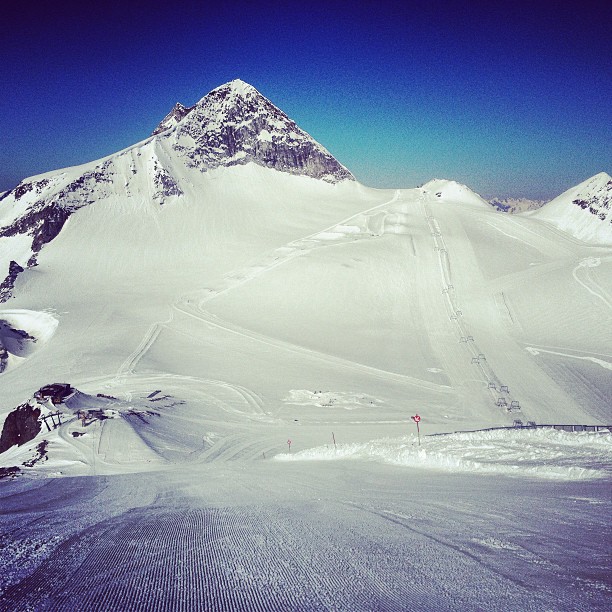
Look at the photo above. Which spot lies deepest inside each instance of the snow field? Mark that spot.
(282, 537)
(539, 453)
(260, 308)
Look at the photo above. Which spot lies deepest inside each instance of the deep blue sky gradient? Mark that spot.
(511, 99)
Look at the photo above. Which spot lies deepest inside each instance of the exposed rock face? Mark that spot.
(597, 199)
(516, 205)
(11, 340)
(4, 356)
(20, 426)
(165, 184)
(56, 392)
(234, 124)
(45, 217)
(584, 211)
(176, 115)
(6, 286)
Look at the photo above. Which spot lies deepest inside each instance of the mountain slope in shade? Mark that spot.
(585, 211)
(232, 125)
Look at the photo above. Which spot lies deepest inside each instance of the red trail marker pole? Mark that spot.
(417, 419)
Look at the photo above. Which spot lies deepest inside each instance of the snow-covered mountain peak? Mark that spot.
(451, 191)
(237, 87)
(601, 176)
(584, 211)
(235, 124)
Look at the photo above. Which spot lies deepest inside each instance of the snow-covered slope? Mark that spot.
(585, 211)
(214, 311)
(453, 192)
(232, 125)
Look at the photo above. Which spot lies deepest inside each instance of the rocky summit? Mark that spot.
(235, 124)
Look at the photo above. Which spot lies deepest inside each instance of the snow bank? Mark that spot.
(540, 453)
(22, 332)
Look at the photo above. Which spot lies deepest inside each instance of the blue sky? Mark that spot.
(511, 99)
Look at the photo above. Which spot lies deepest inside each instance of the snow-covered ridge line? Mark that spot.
(232, 125)
(585, 211)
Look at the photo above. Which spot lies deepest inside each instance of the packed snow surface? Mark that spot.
(542, 453)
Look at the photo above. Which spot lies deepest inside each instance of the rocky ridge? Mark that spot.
(234, 124)
(585, 211)
(516, 205)
(177, 114)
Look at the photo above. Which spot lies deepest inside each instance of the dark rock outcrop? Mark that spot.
(6, 286)
(45, 218)
(178, 113)
(599, 203)
(21, 426)
(234, 124)
(3, 357)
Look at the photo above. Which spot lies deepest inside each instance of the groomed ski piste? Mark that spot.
(254, 351)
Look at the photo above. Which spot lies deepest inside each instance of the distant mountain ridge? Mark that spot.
(516, 205)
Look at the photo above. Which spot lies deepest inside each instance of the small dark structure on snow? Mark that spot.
(56, 392)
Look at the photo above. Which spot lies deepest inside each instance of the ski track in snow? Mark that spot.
(600, 362)
(239, 277)
(456, 315)
(129, 365)
(290, 250)
(592, 287)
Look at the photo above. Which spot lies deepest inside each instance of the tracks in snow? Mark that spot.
(593, 287)
(313, 555)
(237, 278)
(129, 365)
(500, 393)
